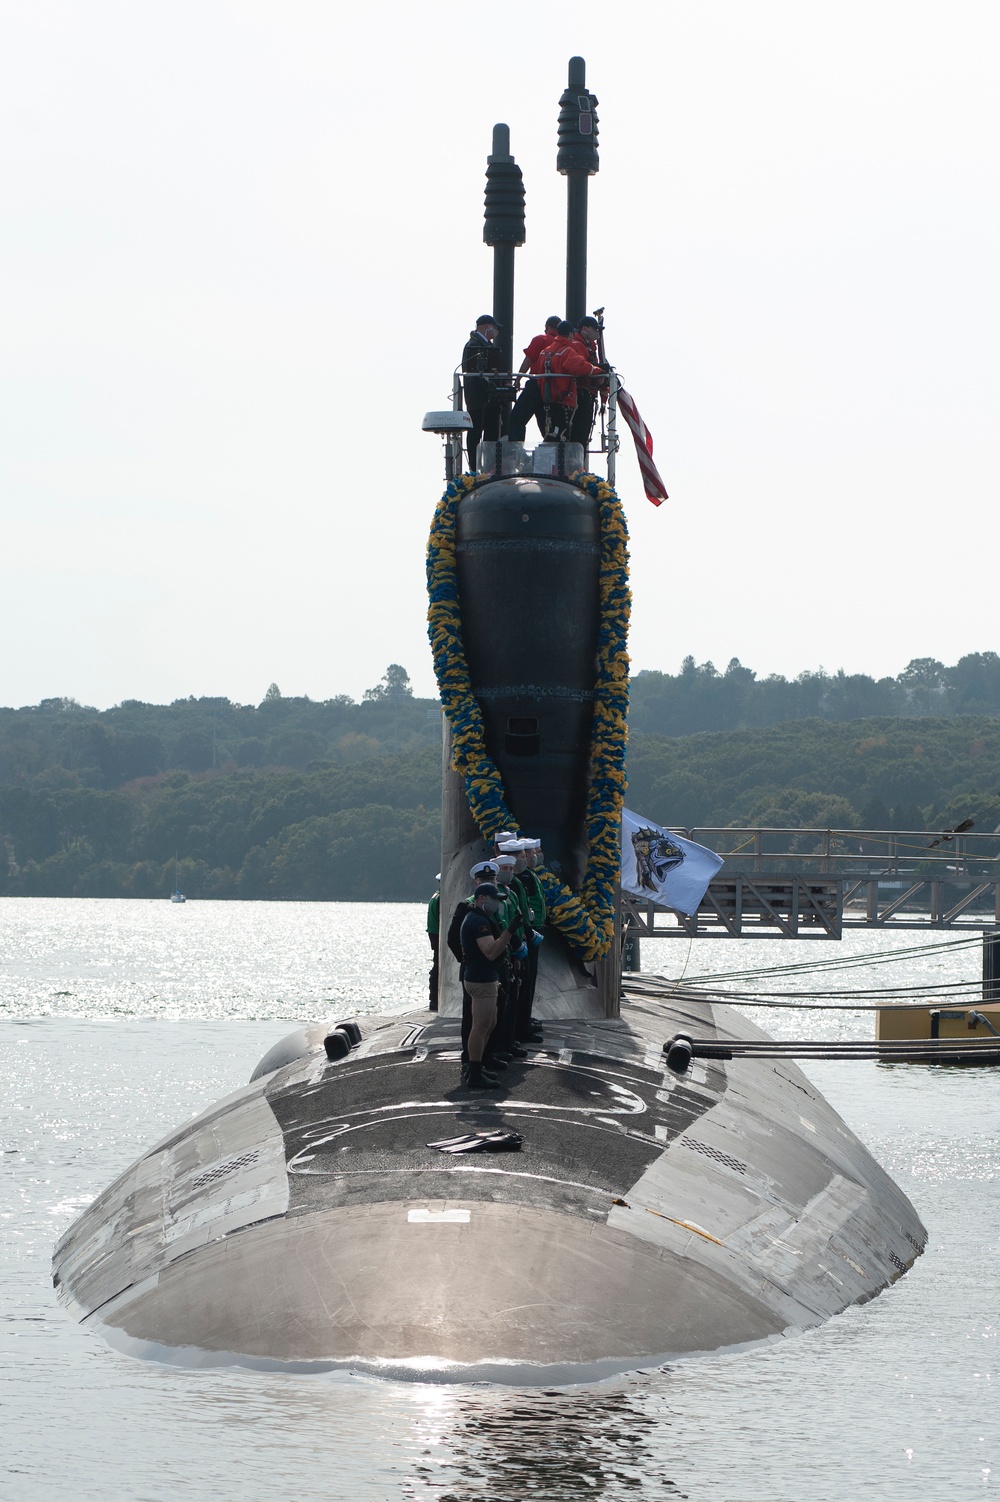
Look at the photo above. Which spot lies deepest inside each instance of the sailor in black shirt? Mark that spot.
(482, 361)
(483, 942)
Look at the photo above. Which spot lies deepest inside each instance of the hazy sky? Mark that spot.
(242, 247)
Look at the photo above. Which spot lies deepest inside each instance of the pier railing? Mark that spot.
(814, 883)
(881, 853)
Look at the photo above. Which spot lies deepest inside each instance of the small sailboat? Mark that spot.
(177, 895)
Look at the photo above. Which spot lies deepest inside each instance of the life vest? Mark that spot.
(589, 353)
(562, 362)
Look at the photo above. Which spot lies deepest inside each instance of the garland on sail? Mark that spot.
(586, 919)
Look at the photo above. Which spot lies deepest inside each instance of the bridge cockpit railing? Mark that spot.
(549, 456)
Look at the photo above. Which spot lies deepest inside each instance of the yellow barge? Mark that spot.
(978, 1024)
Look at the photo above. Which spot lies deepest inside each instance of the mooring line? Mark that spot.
(840, 962)
(682, 1048)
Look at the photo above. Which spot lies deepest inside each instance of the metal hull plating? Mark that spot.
(305, 1222)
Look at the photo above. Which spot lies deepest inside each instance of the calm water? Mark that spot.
(118, 1020)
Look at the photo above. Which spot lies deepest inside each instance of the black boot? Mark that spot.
(478, 1078)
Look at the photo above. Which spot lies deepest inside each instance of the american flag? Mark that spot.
(653, 485)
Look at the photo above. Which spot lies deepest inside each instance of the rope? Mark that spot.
(681, 1049)
(667, 990)
(814, 1006)
(915, 993)
(841, 962)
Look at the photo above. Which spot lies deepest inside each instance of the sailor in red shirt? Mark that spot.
(587, 392)
(533, 352)
(564, 363)
(529, 403)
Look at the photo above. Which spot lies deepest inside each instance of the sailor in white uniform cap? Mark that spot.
(532, 904)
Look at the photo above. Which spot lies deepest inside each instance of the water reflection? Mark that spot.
(893, 1399)
(495, 1446)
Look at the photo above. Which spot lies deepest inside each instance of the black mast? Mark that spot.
(504, 230)
(577, 159)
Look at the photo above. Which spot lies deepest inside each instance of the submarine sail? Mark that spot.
(531, 567)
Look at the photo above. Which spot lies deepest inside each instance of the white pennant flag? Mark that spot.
(664, 868)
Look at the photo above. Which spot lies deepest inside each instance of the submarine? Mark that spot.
(354, 1205)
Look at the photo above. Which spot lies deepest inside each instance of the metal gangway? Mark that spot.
(814, 883)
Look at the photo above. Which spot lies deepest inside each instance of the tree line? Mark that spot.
(370, 830)
(66, 744)
(700, 697)
(889, 774)
(63, 744)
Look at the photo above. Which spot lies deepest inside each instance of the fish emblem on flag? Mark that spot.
(655, 855)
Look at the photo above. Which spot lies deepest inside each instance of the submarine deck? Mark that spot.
(310, 1219)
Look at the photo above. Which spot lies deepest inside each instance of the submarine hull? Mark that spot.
(309, 1221)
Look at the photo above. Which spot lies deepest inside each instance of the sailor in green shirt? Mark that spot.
(526, 853)
(514, 897)
(532, 886)
(434, 935)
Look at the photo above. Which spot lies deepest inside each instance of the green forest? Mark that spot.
(339, 800)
